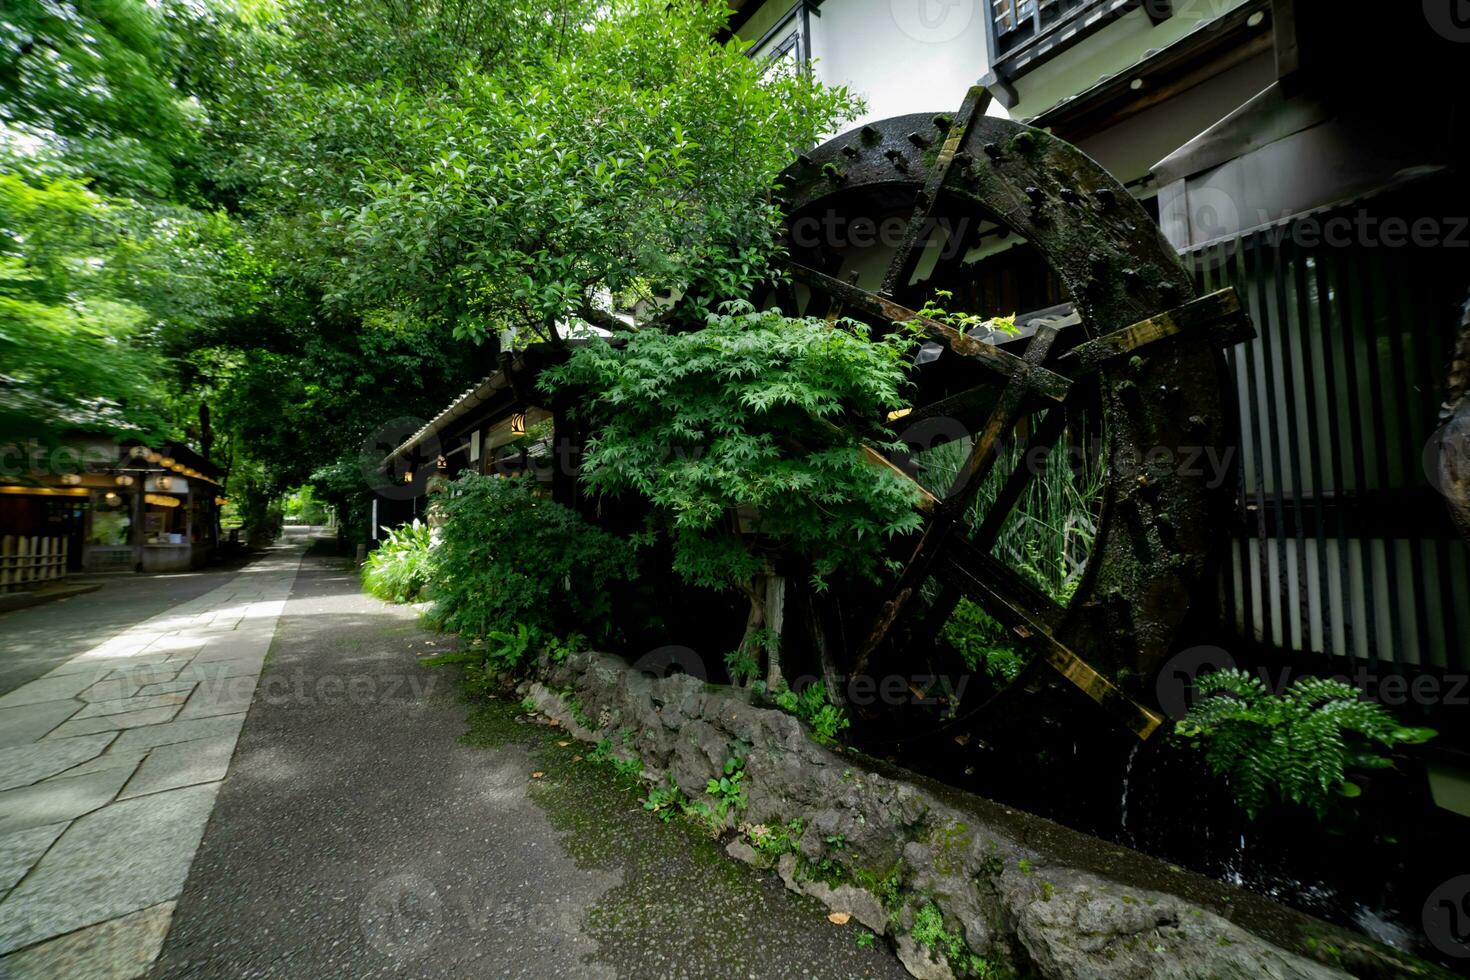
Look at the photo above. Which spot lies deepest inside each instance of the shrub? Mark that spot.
(743, 417)
(399, 570)
(510, 558)
(814, 706)
(1295, 747)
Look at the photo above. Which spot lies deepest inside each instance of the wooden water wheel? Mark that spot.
(1139, 343)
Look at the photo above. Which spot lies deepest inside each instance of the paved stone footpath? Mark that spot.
(109, 768)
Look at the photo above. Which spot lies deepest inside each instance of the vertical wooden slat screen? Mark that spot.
(1341, 546)
(27, 561)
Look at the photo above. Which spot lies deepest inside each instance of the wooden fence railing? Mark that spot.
(28, 561)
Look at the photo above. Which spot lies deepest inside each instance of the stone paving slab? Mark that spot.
(118, 949)
(110, 764)
(60, 799)
(28, 722)
(115, 722)
(120, 859)
(21, 850)
(137, 703)
(204, 760)
(22, 765)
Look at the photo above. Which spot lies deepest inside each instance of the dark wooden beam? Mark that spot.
(1013, 614)
(906, 259)
(1288, 50)
(950, 510)
(1219, 312)
(1046, 384)
(1001, 87)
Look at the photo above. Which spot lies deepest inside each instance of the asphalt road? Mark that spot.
(359, 834)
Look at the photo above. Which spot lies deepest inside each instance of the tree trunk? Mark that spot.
(755, 621)
(775, 619)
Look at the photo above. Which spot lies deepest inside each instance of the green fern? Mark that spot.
(1293, 748)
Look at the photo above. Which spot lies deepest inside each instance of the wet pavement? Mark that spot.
(362, 833)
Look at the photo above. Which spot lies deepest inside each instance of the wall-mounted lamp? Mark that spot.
(518, 424)
(124, 481)
(165, 483)
(71, 479)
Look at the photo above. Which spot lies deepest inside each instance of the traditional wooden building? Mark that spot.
(500, 425)
(92, 504)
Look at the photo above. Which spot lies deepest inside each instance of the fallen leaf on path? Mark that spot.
(839, 918)
(553, 723)
(537, 775)
(576, 758)
(563, 743)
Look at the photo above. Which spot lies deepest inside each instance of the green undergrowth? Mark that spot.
(929, 931)
(1294, 748)
(814, 707)
(400, 569)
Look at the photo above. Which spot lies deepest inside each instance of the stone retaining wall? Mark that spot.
(882, 847)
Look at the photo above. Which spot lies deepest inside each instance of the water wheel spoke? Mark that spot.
(1219, 315)
(906, 259)
(1045, 383)
(981, 460)
(1015, 615)
(1044, 436)
(969, 407)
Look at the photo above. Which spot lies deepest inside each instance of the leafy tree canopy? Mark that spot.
(740, 416)
(629, 158)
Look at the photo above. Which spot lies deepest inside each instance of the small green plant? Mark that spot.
(929, 932)
(744, 662)
(400, 569)
(528, 706)
(774, 841)
(578, 715)
(602, 751)
(506, 649)
(631, 768)
(558, 649)
(485, 661)
(1295, 747)
(865, 939)
(984, 644)
(934, 309)
(814, 706)
(726, 790)
(664, 801)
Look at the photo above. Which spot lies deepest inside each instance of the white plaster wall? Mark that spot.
(1116, 47)
(902, 56)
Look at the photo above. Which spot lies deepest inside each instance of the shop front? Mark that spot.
(114, 508)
